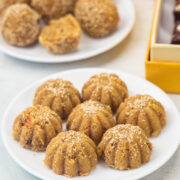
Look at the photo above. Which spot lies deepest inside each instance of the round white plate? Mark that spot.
(164, 145)
(88, 47)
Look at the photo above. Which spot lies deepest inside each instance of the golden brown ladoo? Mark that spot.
(4, 4)
(20, 25)
(125, 147)
(60, 95)
(36, 126)
(53, 9)
(106, 88)
(61, 36)
(144, 111)
(71, 154)
(97, 17)
(92, 118)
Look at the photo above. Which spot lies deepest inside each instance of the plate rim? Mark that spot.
(78, 57)
(32, 172)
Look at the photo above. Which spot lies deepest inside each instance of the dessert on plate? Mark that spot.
(60, 95)
(71, 154)
(61, 36)
(74, 153)
(125, 147)
(98, 18)
(20, 25)
(144, 111)
(106, 88)
(91, 118)
(36, 126)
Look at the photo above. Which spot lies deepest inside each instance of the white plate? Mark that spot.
(164, 145)
(89, 47)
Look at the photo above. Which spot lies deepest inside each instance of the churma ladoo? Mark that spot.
(106, 88)
(53, 9)
(4, 4)
(71, 154)
(36, 126)
(144, 111)
(20, 25)
(60, 95)
(91, 118)
(61, 36)
(98, 18)
(125, 147)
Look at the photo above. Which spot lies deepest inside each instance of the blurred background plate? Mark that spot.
(88, 47)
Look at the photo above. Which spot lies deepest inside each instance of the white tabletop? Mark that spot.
(129, 56)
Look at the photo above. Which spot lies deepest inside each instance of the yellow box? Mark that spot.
(166, 75)
(159, 51)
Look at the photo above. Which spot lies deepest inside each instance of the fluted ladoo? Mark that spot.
(106, 88)
(60, 95)
(144, 111)
(36, 126)
(125, 147)
(91, 117)
(71, 154)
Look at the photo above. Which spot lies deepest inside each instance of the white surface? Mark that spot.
(33, 162)
(166, 23)
(128, 56)
(88, 47)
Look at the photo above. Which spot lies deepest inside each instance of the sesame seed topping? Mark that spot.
(92, 107)
(140, 102)
(127, 131)
(59, 87)
(38, 115)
